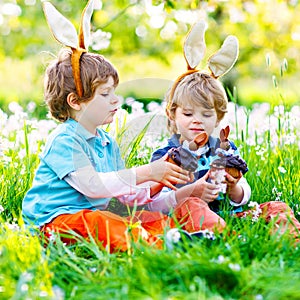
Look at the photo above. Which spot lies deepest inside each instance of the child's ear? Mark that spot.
(170, 117)
(72, 100)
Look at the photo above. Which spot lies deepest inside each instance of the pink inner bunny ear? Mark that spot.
(194, 45)
(224, 133)
(85, 25)
(62, 29)
(223, 60)
(227, 131)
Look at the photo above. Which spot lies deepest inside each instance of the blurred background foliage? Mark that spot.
(144, 39)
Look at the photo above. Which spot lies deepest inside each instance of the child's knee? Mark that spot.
(194, 214)
(274, 207)
(193, 202)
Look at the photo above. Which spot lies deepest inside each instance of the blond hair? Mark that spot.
(196, 89)
(59, 81)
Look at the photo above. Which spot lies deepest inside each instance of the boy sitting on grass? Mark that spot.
(81, 169)
(196, 104)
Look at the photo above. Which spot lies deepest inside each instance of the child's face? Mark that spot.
(191, 119)
(101, 108)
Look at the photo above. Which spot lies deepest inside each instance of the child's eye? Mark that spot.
(207, 115)
(188, 114)
(104, 94)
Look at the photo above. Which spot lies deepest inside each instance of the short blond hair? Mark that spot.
(59, 81)
(198, 88)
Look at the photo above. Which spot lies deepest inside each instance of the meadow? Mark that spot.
(249, 264)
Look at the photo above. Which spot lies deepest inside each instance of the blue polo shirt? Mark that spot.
(69, 147)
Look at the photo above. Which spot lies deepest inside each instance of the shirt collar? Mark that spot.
(80, 130)
(103, 136)
(174, 140)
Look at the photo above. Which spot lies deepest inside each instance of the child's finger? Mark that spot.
(232, 180)
(170, 185)
(178, 169)
(178, 179)
(205, 176)
(182, 180)
(211, 186)
(192, 177)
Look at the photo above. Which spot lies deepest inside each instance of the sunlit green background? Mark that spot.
(144, 39)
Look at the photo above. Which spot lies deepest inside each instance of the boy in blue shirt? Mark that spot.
(81, 169)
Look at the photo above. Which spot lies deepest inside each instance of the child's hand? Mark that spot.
(234, 191)
(204, 190)
(232, 181)
(168, 174)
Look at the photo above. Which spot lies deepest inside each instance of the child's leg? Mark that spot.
(194, 214)
(108, 228)
(283, 215)
(154, 222)
(280, 212)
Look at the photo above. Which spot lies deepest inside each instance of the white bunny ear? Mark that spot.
(85, 27)
(223, 60)
(62, 29)
(194, 45)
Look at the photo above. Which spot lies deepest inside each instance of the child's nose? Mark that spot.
(197, 118)
(114, 99)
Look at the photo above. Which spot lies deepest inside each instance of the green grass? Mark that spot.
(24, 265)
(245, 262)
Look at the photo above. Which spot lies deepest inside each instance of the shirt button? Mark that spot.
(100, 154)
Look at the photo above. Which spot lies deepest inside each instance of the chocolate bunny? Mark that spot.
(233, 163)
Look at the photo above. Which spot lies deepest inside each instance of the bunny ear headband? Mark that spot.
(194, 49)
(65, 33)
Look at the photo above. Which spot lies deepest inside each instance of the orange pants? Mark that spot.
(282, 214)
(113, 232)
(116, 233)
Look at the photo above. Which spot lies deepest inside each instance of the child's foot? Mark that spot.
(178, 237)
(206, 234)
